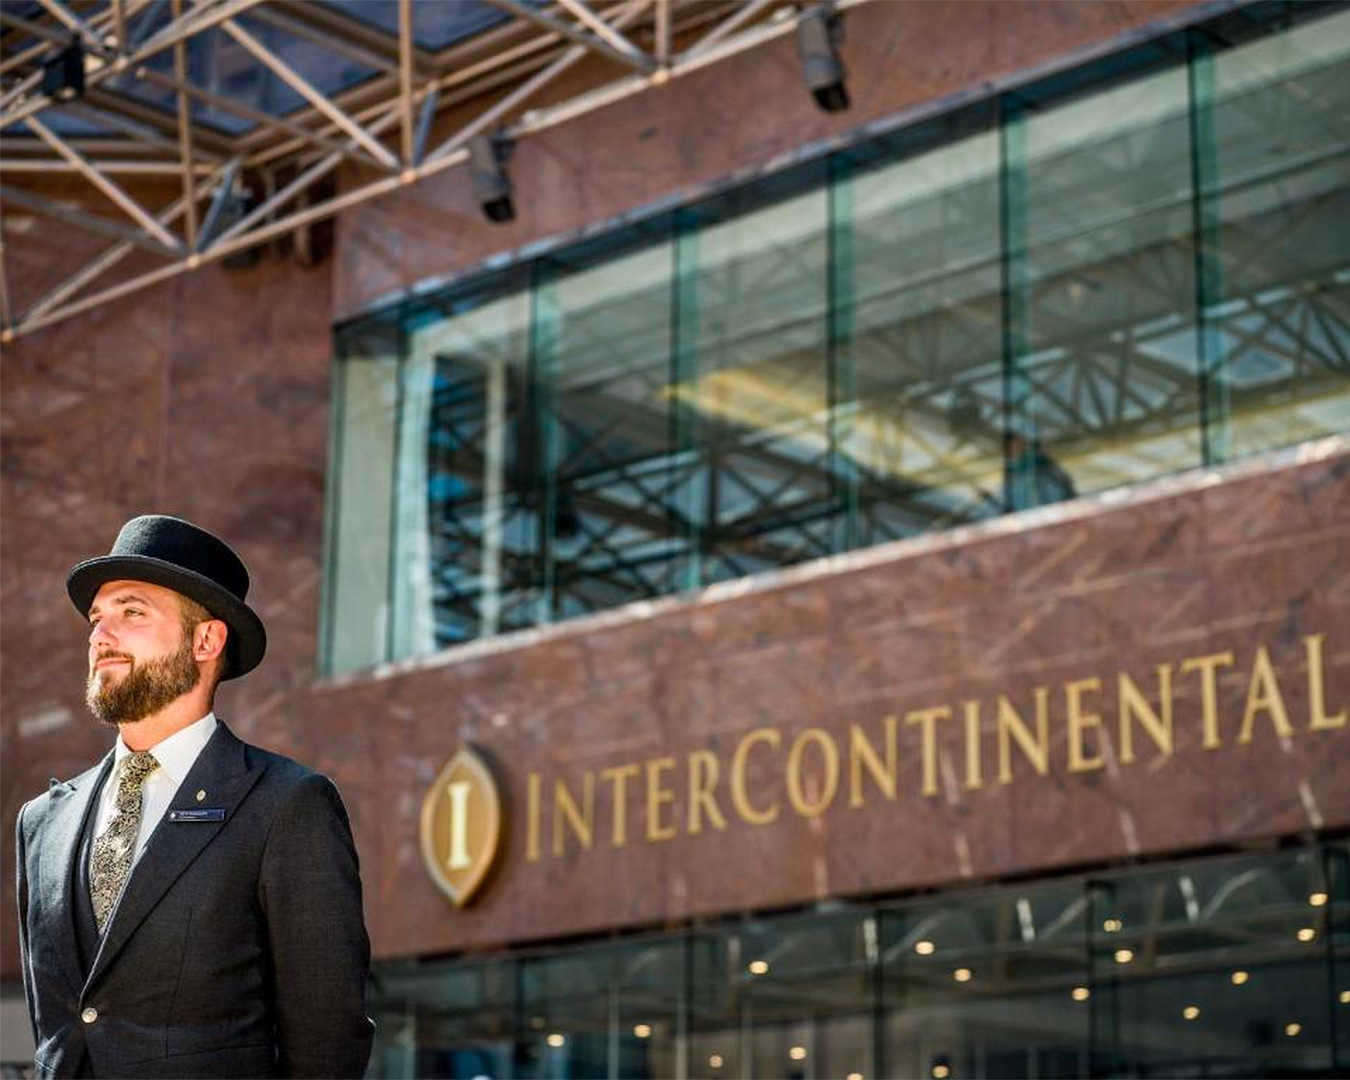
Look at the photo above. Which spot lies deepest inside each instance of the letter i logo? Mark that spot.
(458, 791)
(461, 826)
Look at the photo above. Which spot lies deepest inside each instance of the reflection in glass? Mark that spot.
(1220, 962)
(920, 339)
(1052, 294)
(752, 332)
(984, 987)
(604, 348)
(465, 534)
(1190, 968)
(365, 417)
(605, 1012)
(1280, 158)
(786, 998)
(1104, 376)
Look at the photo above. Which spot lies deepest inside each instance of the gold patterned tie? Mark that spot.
(115, 848)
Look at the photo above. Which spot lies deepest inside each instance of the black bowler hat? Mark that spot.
(180, 556)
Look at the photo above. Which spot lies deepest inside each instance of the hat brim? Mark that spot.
(247, 641)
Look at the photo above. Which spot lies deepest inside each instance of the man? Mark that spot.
(190, 906)
(1033, 477)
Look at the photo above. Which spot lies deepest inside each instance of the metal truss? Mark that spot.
(382, 124)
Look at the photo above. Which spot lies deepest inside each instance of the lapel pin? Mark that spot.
(201, 795)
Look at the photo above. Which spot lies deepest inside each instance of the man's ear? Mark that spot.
(208, 640)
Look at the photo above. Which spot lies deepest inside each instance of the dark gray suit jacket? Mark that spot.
(237, 948)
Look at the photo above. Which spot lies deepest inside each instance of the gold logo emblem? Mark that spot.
(461, 826)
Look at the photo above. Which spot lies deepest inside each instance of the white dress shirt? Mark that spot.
(176, 756)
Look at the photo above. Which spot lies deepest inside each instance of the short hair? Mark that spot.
(193, 615)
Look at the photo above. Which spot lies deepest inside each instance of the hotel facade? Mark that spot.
(816, 594)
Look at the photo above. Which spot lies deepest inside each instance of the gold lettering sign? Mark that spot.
(995, 740)
(461, 826)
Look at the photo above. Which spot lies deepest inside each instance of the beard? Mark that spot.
(148, 687)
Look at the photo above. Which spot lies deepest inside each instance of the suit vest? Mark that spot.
(87, 936)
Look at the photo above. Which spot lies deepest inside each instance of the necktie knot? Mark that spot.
(137, 767)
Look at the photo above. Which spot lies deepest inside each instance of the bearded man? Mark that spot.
(190, 906)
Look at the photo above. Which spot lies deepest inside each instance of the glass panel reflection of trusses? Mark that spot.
(924, 342)
(761, 388)
(615, 482)
(1283, 148)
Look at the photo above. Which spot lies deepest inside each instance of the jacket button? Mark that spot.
(89, 1015)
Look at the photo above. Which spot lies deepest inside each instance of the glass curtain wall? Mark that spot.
(602, 338)
(1226, 966)
(1125, 271)
(1274, 215)
(465, 550)
(1103, 387)
(752, 382)
(362, 457)
(918, 331)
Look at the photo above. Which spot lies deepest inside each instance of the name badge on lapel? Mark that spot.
(209, 813)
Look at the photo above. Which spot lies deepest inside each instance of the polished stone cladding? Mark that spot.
(1243, 574)
(205, 397)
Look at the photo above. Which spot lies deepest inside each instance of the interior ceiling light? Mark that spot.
(63, 74)
(491, 185)
(819, 32)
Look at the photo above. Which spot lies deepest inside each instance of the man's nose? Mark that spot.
(101, 634)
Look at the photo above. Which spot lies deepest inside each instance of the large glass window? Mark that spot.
(465, 551)
(986, 987)
(753, 380)
(1225, 966)
(1125, 270)
(918, 336)
(603, 333)
(360, 487)
(1103, 379)
(1275, 212)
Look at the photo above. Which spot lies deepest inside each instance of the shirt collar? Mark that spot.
(179, 751)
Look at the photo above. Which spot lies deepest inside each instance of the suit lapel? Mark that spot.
(222, 771)
(69, 807)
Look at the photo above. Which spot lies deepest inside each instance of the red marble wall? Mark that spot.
(206, 397)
